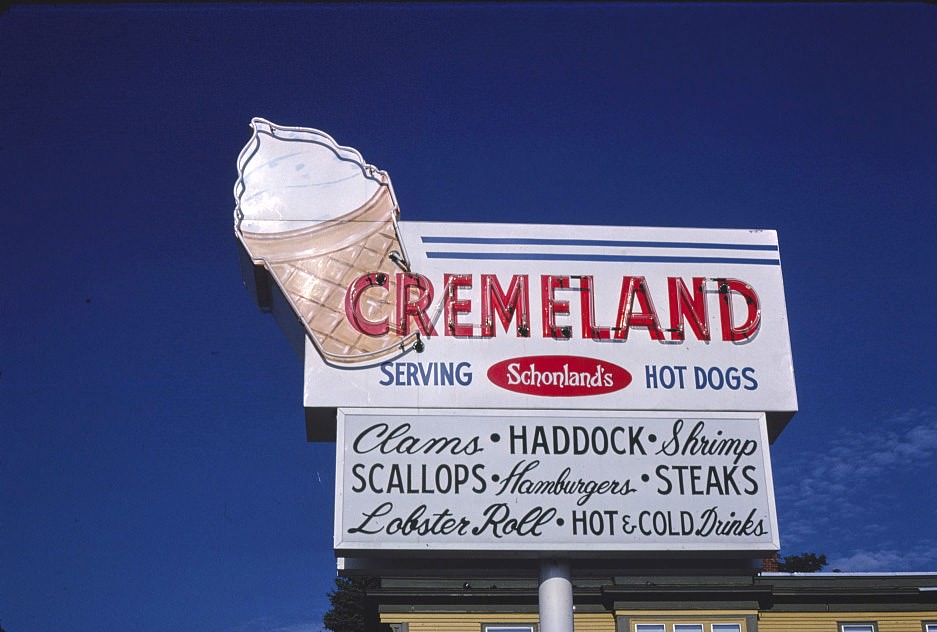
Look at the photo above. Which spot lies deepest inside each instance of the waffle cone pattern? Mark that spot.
(315, 266)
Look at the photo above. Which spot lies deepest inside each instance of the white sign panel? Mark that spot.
(578, 317)
(553, 482)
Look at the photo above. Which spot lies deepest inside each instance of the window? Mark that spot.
(930, 627)
(508, 628)
(856, 627)
(726, 627)
(649, 627)
(687, 627)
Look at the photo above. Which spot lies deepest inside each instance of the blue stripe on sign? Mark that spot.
(546, 256)
(536, 241)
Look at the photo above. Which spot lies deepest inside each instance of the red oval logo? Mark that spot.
(558, 376)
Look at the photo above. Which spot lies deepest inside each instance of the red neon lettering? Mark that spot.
(506, 305)
(415, 308)
(553, 306)
(752, 322)
(353, 304)
(587, 306)
(693, 308)
(631, 287)
(453, 305)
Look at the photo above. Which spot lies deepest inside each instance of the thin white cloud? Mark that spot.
(922, 557)
(300, 627)
(838, 495)
(269, 624)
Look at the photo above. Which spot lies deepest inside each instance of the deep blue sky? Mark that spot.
(153, 467)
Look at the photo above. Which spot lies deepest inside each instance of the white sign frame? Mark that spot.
(351, 494)
(752, 374)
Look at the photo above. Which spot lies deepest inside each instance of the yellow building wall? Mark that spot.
(594, 622)
(453, 621)
(827, 621)
(472, 621)
(605, 622)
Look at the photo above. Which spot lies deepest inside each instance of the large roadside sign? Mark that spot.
(523, 388)
(536, 483)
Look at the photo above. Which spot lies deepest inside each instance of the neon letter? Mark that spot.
(453, 306)
(552, 306)
(632, 287)
(682, 305)
(587, 307)
(505, 304)
(353, 304)
(416, 308)
(752, 322)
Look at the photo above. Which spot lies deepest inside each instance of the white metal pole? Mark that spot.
(556, 597)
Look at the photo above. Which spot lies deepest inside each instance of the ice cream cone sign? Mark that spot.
(323, 223)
